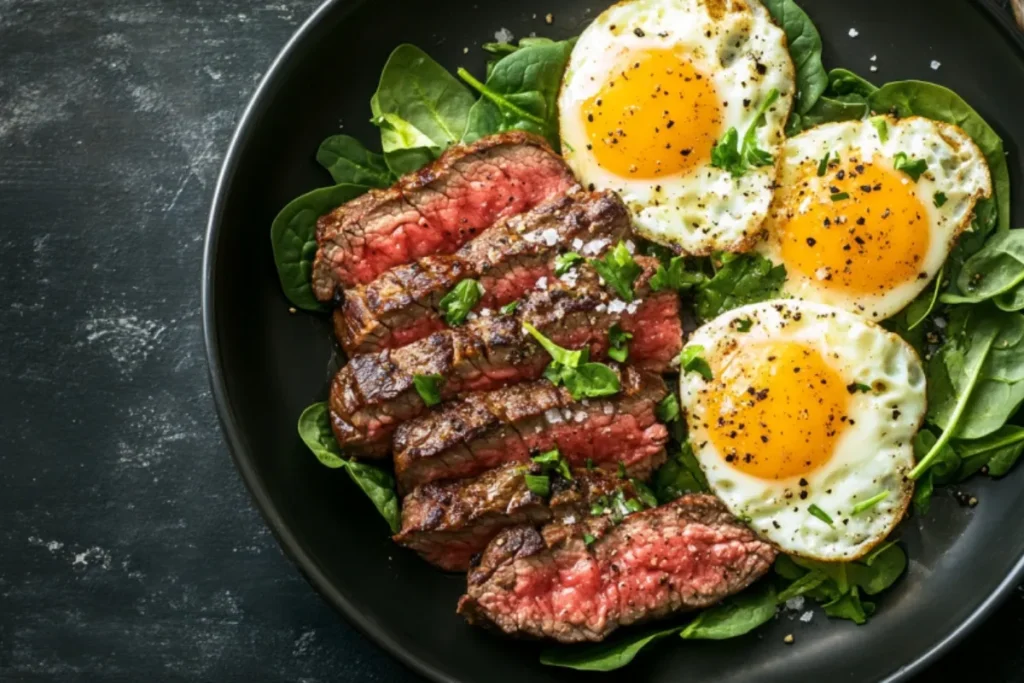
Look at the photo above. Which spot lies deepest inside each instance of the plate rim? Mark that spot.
(286, 539)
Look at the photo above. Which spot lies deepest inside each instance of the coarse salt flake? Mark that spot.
(617, 306)
(936, 64)
(854, 33)
(806, 616)
(542, 283)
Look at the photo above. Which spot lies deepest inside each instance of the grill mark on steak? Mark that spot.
(435, 210)
(374, 393)
(486, 429)
(688, 554)
(508, 259)
(449, 523)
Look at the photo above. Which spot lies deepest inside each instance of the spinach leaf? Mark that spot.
(804, 584)
(609, 655)
(315, 429)
(742, 279)
(456, 305)
(828, 110)
(995, 271)
(920, 308)
(736, 616)
(849, 606)
(521, 92)
(348, 161)
(804, 49)
(998, 451)
(618, 343)
(945, 464)
(293, 237)
(429, 388)
(906, 98)
(845, 82)
(420, 107)
(675, 276)
(619, 270)
(680, 475)
(878, 570)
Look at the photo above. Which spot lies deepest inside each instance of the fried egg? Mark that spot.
(805, 429)
(651, 87)
(855, 229)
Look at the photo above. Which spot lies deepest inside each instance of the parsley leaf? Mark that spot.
(735, 157)
(675, 276)
(619, 270)
(618, 343)
(539, 484)
(552, 461)
(939, 199)
(509, 308)
(571, 368)
(912, 167)
(457, 304)
(588, 540)
(742, 279)
(690, 361)
(564, 262)
(668, 409)
(744, 324)
(726, 154)
(429, 388)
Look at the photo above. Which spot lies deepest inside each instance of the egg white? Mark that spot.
(871, 456)
(956, 168)
(745, 54)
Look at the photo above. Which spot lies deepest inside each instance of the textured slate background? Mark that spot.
(129, 549)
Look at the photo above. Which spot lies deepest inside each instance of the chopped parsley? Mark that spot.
(618, 343)
(869, 503)
(912, 167)
(456, 304)
(882, 127)
(668, 409)
(823, 164)
(429, 388)
(539, 484)
(744, 324)
(582, 378)
(819, 513)
(840, 196)
(939, 199)
(588, 540)
(675, 276)
(509, 308)
(690, 360)
(619, 270)
(736, 157)
(564, 262)
(552, 461)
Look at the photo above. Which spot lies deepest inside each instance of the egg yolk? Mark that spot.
(656, 115)
(776, 410)
(862, 229)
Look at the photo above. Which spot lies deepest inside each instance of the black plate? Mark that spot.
(266, 364)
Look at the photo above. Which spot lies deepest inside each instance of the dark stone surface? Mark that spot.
(129, 549)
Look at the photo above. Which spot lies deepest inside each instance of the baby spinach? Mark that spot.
(804, 49)
(907, 98)
(520, 93)
(828, 110)
(945, 465)
(845, 82)
(680, 475)
(742, 279)
(998, 451)
(609, 655)
(293, 237)
(315, 429)
(456, 305)
(420, 108)
(619, 270)
(996, 271)
(736, 616)
(348, 161)
(849, 606)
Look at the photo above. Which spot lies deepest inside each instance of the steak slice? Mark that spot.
(449, 522)
(436, 209)
(508, 259)
(487, 429)
(688, 554)
(374, 393)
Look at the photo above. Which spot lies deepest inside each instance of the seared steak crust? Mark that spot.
(435, 210)
(486, 429)
(508, 260)
(374, 393)
(448, 522)
(688, 554)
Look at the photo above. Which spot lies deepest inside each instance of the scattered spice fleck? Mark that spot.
(788, 640)
(549, 18)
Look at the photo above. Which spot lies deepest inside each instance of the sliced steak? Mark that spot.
(448, 522)
(486, 429)
(435, 210)
(508, 260)
(688, 554)
(374, 393)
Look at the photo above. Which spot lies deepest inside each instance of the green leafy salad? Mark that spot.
(966, 325)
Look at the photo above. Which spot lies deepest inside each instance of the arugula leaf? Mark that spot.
(805, 50)
(521, 92)
(618, 343)
(742, 279)
(690, 360)
(348, 161)
(420, 108)
(315, 430)
(552, 461)
(906, 98)
(998, 451)
(675, 277)
(293, 238)
(539, 484)
(429, 388)
(736, 616)
(564, 262)
(456, 305)
(996, 271)
(619, 270)
(681, 474)
(912, 167)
